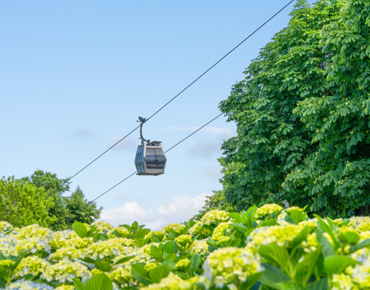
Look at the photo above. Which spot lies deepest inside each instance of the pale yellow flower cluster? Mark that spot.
(230, 265)
(220, 233)
(173, 227)
(199, 247)
(215, 217)
(65, 271)
(31, 265)
(172, 282)
(64, 239)
(268, 209)
(282, 235)
(183, 240)
(70, 253)
(121, 230)
(103, 249)
(102, 227)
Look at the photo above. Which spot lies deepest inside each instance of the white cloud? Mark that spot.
(179, 209)
(124, 144)
(83, 133)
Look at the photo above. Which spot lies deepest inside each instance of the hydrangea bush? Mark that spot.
(258, 249)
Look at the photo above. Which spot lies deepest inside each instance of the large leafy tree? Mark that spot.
(54, 188)
(66, 209)
(23, 204)
(304, 95)
(80, 209)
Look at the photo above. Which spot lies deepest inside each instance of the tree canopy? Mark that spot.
(302, 114)
(23, 204)
(65, 210)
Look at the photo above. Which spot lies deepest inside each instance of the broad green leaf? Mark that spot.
(140, 274)
(276, 254)
(3, 273)
(134, 225)
(327, 248)
(326, 228)
(141, 233)
(351, 238)
(80, 229)
(239, 226)
(78, 284)
(318, 285)
(104, 265)
(289, 286)
(2, 257)
(158, 273)
(251, 281)
(271, 276)
(363, 244)
(305, 268)
(18, 260)
(125, 259)
(2, 283)
(268, 223)
(194, 263)
(337, 264)
(302, 235)
(235, 216)
(248, 218)
(156, 252)
(170, 247)
(99, 282)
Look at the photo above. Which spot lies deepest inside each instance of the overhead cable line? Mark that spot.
(166, 104)
(123, 180)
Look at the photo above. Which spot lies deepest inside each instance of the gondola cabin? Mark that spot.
(150, 159)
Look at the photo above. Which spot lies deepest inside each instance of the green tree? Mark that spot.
(302, 114)
(22, 204)
(80, 209)
(55, 188)
(337, 174)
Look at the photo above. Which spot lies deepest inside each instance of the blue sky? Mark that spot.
(75, 75)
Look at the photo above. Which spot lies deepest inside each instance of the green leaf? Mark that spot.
(140, 274)
(141, 233)
(305, 268)
(289, 286)
(318, 285)
(351, 238)
(302, 235)
(3, 273)
(326, 228)
(104, 265)
(2, 283)
(251, 281)
(271, 276)
(248, 218)
(80, 229)
(235, 216)
(18, 260)
(170, 247)
(276, 254)
(78, 284)
(156, 252)
(337, 264)
(327, 248)
(123, 260)
(99, 282)
(194, 263)
(268, 223)
(134, 225)
(363, 244)
(158, 273)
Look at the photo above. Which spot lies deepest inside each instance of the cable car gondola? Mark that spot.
(150, 158)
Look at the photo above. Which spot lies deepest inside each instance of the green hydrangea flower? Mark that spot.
(230, 265)
(215, 216)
